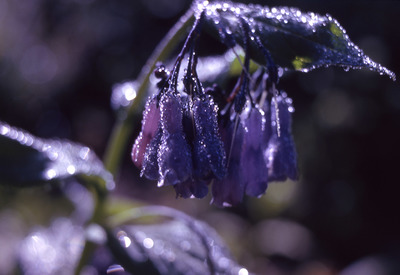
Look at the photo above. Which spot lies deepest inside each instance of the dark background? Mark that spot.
(58, 63)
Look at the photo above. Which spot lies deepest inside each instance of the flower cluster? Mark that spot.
(198, 137)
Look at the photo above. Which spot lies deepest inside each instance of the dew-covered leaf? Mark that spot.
(292, 38)
(182, 245)
(26, 160)
(53, 250)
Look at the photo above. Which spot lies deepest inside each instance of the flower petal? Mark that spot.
(281, 153)
(150, 124)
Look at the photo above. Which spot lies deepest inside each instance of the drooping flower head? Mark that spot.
(238, 145)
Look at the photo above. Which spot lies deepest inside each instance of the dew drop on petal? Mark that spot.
(243, 271)
(148, 243)
(123, 238)
(71, 169)
(50, 174)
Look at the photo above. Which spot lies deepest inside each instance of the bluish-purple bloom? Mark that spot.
(255, 140)
(281, 152)
(174, 155)
(230, 190)
(209, 153)
(237, 146)
(150, 125)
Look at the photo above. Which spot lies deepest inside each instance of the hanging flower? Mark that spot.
(237, 146)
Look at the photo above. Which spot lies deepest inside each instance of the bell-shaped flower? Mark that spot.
(174, 154)
(208, 150)
(281, 153)
(253, 165)
(230, 190)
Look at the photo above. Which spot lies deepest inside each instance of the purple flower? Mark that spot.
(150, 161)
(230, 190)
(188, 142)
(209, 154)
(174, 154)
(281, 153)
(255, 140)
(150, 124)
(191, 188)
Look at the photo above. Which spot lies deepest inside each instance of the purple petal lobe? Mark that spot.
(191, 188)
(253, 165)
(150, 123)
(175, 159)
(230, 190)
(174, 155)
(209, 150)
(171, 113)
(281, 153)
(150, 162)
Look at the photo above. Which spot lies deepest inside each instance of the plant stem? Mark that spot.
(124, 126)
(98, 217)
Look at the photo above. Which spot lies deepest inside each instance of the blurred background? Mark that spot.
(59, 60)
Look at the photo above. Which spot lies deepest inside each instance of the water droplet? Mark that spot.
(148, 243)
(50, 174)
(223, 262)
(123, 94)
(243, 271)
(84, 153)
(305, 70)
(123, 238)
(115, 268)
(96, 234)
(4, 130)
(71, 169)
(52, 155)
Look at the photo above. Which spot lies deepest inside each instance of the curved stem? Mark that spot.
(124, 126)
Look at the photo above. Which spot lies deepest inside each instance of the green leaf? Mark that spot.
(26, 160)
(181, 245)
(291, 39)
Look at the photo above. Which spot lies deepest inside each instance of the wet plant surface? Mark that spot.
(250, 153)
